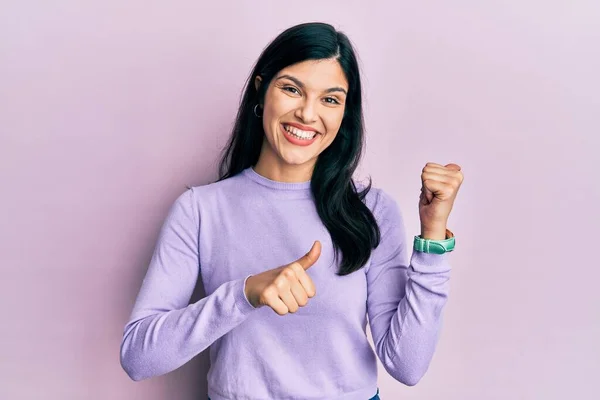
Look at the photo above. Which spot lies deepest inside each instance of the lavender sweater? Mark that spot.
(246, 224)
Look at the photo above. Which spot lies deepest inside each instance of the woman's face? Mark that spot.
(303, 110)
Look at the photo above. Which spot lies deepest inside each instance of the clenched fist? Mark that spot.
(284, 288)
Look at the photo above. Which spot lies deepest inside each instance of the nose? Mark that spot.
(306, 112)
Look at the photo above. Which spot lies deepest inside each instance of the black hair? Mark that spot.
(352, 226)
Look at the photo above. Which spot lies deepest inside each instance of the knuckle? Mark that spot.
(269, 291)
(288, 272)
(281, 283)
(290, 269)
(297, 269)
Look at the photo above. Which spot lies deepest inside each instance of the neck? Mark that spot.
(272, 167)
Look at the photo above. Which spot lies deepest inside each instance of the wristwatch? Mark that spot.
(435, 246)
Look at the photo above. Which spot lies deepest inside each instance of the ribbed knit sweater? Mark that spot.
(246, 224)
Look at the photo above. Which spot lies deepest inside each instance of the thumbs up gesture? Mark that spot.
(284, 288)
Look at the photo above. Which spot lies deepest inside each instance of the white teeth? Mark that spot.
(300, 133)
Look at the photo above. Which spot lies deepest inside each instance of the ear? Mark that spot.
(257, 82)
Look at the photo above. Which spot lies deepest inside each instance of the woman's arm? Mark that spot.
(404, 302)
(164, 332)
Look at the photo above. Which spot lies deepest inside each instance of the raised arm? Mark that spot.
(404, 301)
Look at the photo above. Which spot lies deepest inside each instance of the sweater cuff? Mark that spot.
(424, 262)
(241, 301)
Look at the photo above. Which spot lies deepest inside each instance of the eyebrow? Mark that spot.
(299, 83)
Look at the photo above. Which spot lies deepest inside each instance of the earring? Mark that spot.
(255, 113)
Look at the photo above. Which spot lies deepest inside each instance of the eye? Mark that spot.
(291, 89)
(333, 100)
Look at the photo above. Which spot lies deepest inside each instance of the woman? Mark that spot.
(281, 322)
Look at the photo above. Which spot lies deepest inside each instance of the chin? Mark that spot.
(294, 157)
(296, 160)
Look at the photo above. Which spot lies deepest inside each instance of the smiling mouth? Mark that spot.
(299, 133)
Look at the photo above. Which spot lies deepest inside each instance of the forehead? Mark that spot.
(318, 74)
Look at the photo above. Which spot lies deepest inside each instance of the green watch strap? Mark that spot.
(435, 246)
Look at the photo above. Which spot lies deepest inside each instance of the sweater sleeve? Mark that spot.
(404, 301)
(165, 331)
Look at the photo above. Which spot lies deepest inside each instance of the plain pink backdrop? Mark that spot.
(109, 108)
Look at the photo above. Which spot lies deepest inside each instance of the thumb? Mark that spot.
(307, 260)
(426, 195)
(453, 166)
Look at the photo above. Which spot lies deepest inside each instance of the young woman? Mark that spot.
(281, 322)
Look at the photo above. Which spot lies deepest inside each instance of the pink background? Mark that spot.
(109, 108)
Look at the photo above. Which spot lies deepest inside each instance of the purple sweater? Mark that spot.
(247, 224)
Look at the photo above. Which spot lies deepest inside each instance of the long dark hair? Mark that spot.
(352, 226)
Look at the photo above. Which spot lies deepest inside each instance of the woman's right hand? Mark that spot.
(284, 288)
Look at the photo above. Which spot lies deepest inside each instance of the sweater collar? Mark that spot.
(297, 187)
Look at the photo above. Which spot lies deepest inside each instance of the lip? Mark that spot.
(300, 126)
(294, 140)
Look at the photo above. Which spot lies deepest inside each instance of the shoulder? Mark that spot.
(383, 205)
(377, 199)
(214, 191)
(194, 199)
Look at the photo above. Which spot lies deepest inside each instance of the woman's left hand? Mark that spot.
(440, 185)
